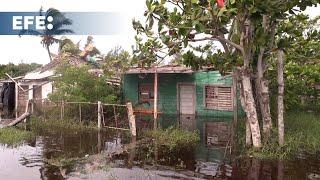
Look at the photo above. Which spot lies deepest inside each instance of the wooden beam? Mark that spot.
(132, 119)
(99, 114)
(19, 119)
(155, 105)
(80, 118)
(14, 81)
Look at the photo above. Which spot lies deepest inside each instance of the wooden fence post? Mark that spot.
(80, 112)
(155, 101)
(99, 114)
(62, 110)
(32, 105)
(115, 115)
(235, 108)
(132, 119)
(27, 109)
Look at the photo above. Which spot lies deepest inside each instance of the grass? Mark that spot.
(65, 124)
(174, 137)
(302, 135)
(13, 136)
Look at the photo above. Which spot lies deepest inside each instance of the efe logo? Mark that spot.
(23, 22)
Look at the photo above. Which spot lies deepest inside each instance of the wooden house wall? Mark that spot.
(167, 102)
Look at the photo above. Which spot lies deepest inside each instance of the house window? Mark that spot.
(146, 92)
(218, 97)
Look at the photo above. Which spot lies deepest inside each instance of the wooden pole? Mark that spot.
(62, 110)
(27, 105)
(235, 108)
(280, 96)
(32, 106)
(99, 114)
(44, 110)
(155, 105)
(115, 116)
(132, 119)
(99, 142)
(80, 113)
(102, 113)
(15, 82)
(27, 110)
(235, 97)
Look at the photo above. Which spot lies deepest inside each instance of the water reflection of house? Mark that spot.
(114, 145)
(217, 133)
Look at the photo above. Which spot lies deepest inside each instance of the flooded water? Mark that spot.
(41, 158)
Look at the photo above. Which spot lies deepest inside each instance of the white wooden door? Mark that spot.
(187, 99)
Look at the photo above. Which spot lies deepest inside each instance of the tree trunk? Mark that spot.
(248, 131)
(251, 110)
(280, 96)
(248, 134)
(48, 50)
(262, 82)
(250, 105)
(262, 89)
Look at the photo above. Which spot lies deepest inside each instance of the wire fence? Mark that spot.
(108, 115)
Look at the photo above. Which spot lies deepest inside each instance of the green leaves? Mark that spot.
(195, 1)
(199, 27)
(77, 84)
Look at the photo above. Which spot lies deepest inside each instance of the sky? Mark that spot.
(28, 49)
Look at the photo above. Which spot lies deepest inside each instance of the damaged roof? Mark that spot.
(163, 69)
(159, 69)
(48, 69)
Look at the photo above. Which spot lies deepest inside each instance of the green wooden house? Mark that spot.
(180, 91)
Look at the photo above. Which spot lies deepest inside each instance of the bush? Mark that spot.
(77, 84)
(302, 135)
(13, 136)
(174, 138)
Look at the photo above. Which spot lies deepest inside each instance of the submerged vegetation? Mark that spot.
(174, 138)
(65, 124)
(13, 136)
(302, 136)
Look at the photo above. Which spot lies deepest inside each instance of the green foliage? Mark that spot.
(63, 162)
(302, 136)
(174, 138)
(13, 136)
(37, 124)
(179, 24)
(116, 62)
(77, 84)
(17, 70)
(302, 63)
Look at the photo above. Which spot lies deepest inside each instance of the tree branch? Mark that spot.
(219, 38)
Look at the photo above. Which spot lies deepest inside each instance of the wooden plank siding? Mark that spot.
(22, 98)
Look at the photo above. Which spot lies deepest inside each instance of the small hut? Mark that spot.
(203, 100)
(180, 91)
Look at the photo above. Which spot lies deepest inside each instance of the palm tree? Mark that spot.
(47, 35)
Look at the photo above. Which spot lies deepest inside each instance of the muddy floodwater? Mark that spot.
(41, 158)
